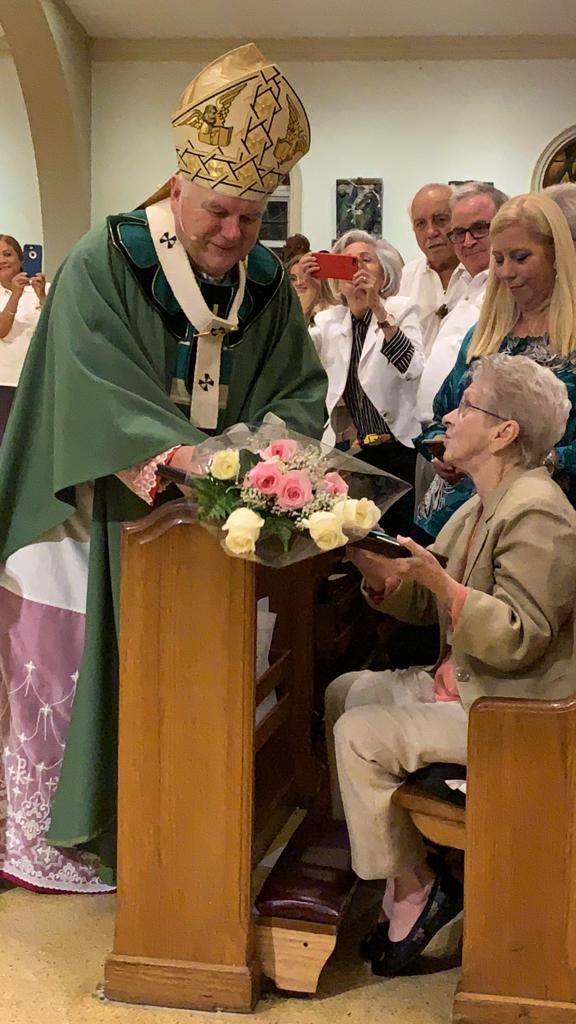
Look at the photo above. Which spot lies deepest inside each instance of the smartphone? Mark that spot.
(335, 266)
(32, 260)
(436, 447)
(382, 544)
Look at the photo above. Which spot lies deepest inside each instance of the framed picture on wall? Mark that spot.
(468, 181)
(557, 164)
(359, 205)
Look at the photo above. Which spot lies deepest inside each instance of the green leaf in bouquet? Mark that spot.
(283, 527)
(216, 498)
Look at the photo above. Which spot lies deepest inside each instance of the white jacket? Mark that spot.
(391, 392)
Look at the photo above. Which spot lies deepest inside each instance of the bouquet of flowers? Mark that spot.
(277, 497)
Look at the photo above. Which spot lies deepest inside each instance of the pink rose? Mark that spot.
(295, 490)
(284, 449)
(265, 477)
(335, 484)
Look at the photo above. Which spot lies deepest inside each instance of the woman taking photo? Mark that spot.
(21, 300)
(371, 348)
(529, 309)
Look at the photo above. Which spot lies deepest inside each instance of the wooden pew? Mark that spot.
(201, 790)
(518, 832)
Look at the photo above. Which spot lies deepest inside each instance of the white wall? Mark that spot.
(405, 122)
(19, 197)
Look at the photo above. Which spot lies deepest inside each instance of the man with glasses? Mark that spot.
(433, 280)
(472, 208)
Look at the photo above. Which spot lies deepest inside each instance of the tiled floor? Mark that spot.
(53, 949)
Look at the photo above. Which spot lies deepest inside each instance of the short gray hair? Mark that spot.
(478, 188)
(565, 197)
(520, 389)
(388, 257)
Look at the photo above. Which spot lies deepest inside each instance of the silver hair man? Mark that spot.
(478, 188)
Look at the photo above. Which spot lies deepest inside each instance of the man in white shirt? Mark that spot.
(473, 207)
(432, 280)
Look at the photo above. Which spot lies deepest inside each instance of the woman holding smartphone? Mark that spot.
(370, 345)
(21, 299)
(505, 605)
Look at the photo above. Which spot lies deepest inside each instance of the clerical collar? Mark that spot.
(226, 279)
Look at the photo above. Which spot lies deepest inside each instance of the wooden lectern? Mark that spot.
(202, 792)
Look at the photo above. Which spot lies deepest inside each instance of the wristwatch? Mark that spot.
(390, 321)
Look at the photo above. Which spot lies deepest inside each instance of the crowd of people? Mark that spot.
(172, 321)
(475, 343)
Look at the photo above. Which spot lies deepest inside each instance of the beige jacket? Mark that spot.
(515, 635)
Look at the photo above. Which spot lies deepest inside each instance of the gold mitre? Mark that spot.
(240, 127)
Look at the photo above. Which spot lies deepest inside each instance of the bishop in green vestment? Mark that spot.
(162, 325)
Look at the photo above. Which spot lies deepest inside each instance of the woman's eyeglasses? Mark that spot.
(465, 405)
(479, 229)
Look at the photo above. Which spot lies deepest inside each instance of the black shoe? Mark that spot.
(372, 944)
(444, 903)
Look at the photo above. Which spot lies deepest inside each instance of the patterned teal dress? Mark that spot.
(442, 499)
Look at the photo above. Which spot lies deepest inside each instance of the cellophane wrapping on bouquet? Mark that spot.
(274, 496)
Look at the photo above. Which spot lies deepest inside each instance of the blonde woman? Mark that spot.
(314, 294)
(529, 309)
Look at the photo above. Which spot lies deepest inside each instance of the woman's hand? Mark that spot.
(378, 571)
(422, 567)
(308, 267)
(369, 281)
(447, 471)
(39, 285)
(18, 284)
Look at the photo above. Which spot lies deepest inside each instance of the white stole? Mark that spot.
(210, 327)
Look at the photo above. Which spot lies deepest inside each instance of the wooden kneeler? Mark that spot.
(303, 903)
(519, 953)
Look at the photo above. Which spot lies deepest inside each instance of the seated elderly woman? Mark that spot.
(314, 294)
(505, 604)
(370, 345)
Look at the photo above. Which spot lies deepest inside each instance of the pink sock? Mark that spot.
(388, 901)
(405, 913)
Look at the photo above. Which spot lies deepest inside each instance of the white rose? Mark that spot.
(225, 465)
(345, 511)
(244, 519)
(325, 530)
(240, 543)
(242, 531)
(367, 514)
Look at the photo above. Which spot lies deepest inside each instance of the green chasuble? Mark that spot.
(93, 399)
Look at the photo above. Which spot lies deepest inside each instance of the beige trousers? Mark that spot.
(380, 726)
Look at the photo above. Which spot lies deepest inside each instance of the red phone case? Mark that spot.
(336, 266)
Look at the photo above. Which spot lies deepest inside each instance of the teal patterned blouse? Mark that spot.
(442, 499)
